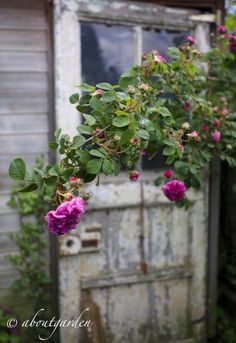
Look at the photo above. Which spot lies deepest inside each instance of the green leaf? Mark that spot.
(30, 188)
(121, 113)
(94, 166)
(17, 169)
(74, 98)
(78, 141)
(169, 150)
(85, 129)
(126, 136)
(104, 85)
(53, 145)
(159, 181)
(121, 121)
(97, 153)
(164, 112)
(95, 103)
(143, 134)
(107, 167)
(108, 97)
(90, 120)
(87, 88)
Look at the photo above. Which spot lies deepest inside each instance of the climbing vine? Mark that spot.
(164, 107)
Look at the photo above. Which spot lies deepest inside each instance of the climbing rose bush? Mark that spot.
(165, 107)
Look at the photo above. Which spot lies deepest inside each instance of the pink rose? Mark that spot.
(74, 179)
(174, 190)
(66, 216)
(216, 135)
(222, 29)
(193, 134)
(191, 40)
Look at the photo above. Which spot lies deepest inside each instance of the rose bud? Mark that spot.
(134, 141)
(74, 179)
(186, 105)
(168, 173)
(225, 110)
(185, 126)
(229, 147)
(222, 98)
(216, 122)
(134, 175)
(98, 132)
(131, 89)
(98, 92)
(204, 127)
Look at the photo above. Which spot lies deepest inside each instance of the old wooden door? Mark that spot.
(136, 261)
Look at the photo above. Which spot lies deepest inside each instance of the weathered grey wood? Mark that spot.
(21, 103)
(23, 83)
(23, 61)
(19, 124)
(20, 40)
(24, 109)
(24, 19)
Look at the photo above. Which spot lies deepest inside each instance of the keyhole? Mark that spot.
(69, 243)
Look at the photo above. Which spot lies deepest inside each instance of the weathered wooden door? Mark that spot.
(136, 261)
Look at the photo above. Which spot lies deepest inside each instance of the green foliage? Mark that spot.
(158, 107)
(33, 282)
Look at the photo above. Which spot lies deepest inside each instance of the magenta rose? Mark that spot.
(134, 175)
(66, 216)
(174, 190)
(216, 135)
(168, 173)
(191, 40)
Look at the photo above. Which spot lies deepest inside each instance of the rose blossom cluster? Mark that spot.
(66, 216)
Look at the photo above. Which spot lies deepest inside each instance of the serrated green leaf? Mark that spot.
(17, 169)
(29, 188)
(121, 121)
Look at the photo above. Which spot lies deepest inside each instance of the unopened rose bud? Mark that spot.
(229, 147)
(145, 87)
(168, 173)
(117, 138)
(74, 179)
(98, 92)
(204, 127)
(98, 132)
(131, 89)
(185, 126)
(191, 40)
(225, 110)
(216, 122)
(134, 141)
(186, 105)
(134, 175)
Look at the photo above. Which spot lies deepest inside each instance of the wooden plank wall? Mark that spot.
(24, 108)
